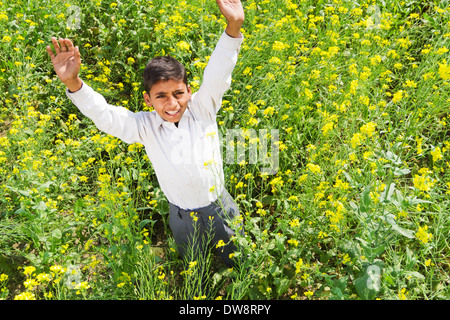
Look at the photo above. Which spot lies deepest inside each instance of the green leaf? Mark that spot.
(57, 234)
(414, 274)
(365, 200)
(282, 285)
(144, 222)
(390, 218)
(387, 193)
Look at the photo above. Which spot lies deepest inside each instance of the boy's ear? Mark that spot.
(147, 99)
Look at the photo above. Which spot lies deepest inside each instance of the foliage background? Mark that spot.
(359, 91)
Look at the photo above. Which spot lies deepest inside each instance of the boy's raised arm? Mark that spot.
(233, 12)
(66, 61)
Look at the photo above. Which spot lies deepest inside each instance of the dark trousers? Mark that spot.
(196, 230)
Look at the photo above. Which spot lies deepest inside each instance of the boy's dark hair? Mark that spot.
(163, 68)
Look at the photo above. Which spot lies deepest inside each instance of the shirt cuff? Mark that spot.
(229, 42)
(81, 96)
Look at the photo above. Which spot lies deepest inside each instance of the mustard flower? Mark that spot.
(314, 168)
(437, 154)
(444, 70)
(398, 96)
(25, 296)
(423, 182)
(28, 270)
(423, 235)
(402, 294)
(183, 45)
(327, 128)
(368, 129)
(220, 244)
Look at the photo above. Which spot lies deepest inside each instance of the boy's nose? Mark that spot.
(172, 103)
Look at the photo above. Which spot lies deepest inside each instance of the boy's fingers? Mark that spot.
(77, 55)
(55, 45)
(63, 45)
(50, 52)
(69, 45)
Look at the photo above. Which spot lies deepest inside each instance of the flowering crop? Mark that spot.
(358, 91)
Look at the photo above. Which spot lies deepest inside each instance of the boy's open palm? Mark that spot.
(66, 60)
(232, 10)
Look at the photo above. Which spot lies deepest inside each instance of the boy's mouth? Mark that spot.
(172, 113)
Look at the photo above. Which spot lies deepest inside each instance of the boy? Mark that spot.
(180, 136)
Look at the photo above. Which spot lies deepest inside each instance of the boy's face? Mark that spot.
(169, 98)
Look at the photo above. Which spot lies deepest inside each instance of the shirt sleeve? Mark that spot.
(114, 120)
(217, 76)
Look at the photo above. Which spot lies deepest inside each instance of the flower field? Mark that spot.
(358, 208)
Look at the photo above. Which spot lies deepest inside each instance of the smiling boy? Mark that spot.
(180, 136)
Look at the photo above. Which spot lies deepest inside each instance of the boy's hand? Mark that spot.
(233, 12)
(66, 63)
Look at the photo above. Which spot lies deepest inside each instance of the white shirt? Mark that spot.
(187, 160)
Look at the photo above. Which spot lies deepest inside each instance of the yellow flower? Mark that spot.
(82, 285)
(368, 129)
(356, 140)
(220, 244)
(423, 182)
(269, 111)
(57, 269)
(6, 39)
(444, 71)
(423, 235)
(29, 270)
(437, 154)
(294, 223)
(183, 45)
(346, 259)
(279, 46)
(397, 96)
(402, 295)
(327, 128)
(194, 216)
(25, 296)
(313, 168)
